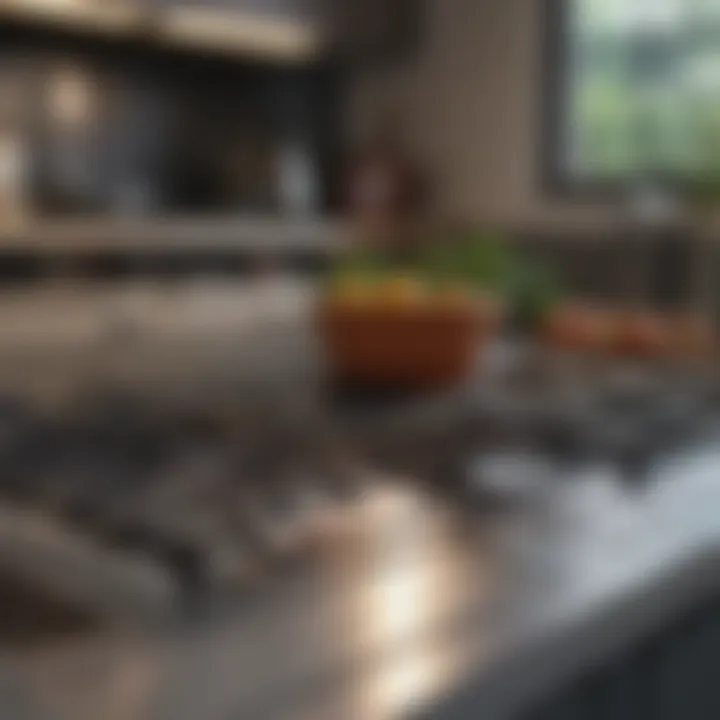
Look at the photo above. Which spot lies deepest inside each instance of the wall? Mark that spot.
(469, 106)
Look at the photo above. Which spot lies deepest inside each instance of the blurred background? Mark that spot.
(358, 358)
(158, 109)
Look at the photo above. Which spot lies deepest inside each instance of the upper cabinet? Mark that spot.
(276, 29)
(301, 10)
(294, 31)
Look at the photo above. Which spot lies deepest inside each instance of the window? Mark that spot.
(637, 89)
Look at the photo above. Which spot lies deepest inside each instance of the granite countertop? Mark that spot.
(408, 613)
(403, 609)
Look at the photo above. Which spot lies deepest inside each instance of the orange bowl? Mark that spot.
(408, 348)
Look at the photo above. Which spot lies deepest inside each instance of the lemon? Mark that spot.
(350, 292)
(402, 292)
(455, 296)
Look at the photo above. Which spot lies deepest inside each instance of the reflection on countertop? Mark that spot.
(401, 606)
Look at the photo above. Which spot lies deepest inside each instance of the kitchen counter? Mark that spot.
(405, 608)
(410, 613)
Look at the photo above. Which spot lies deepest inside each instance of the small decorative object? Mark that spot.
(415, 323)
(409, 345)
(643, 335)
(579, 328)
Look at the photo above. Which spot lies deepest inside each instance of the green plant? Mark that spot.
(359, 265)
(536, 292)
(480, 259)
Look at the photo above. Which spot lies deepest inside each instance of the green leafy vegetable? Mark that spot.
(480, 260)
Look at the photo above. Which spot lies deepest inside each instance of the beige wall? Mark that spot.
(469, 108)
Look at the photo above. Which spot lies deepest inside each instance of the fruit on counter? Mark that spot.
(408, 293)
(463, 298)
(454, 296)
(391, 293)
(604, 325)
(350, 293)
(401, 291)
(691, 335)
(576, 327)
(643, 334)
(631, 333)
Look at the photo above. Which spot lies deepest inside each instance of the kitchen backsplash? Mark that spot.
(89, 128)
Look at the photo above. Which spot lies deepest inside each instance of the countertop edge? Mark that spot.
(539, 666)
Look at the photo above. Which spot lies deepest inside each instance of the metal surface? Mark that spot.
(406, 608)
(409, 601)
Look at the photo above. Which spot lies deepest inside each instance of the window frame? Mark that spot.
(554, 91)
